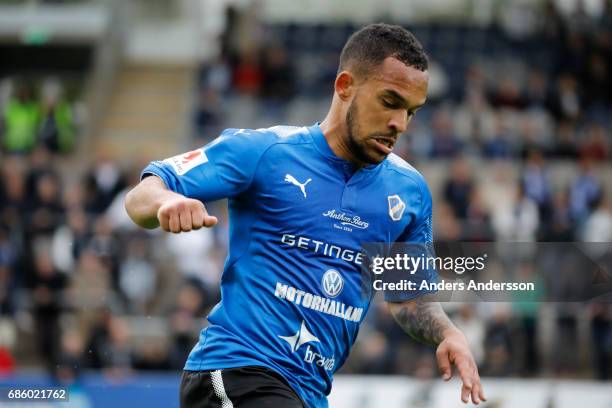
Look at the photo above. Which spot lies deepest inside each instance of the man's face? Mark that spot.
(381, 109)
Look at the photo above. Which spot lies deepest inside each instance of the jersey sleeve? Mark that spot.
(416, 241)
(224, 168)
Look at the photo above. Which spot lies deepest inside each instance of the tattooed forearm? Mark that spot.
(424, 320)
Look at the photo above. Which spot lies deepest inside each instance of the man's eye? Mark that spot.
(389, 104)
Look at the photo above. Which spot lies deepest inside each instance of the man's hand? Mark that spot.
(425, 320)
(454, 350)
(182, 214)
(150, 204)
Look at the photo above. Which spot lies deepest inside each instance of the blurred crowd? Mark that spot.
(34, 114)
(81, 287)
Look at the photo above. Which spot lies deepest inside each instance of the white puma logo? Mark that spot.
(290, 179)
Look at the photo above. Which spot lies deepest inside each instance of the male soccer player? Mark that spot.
(301, 202)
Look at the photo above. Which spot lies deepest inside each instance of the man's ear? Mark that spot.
(345, 85)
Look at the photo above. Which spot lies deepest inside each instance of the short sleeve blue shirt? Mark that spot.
(291, 295)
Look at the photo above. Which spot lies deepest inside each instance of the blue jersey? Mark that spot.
(291, 295)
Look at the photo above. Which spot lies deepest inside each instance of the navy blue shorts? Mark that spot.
(242, 387)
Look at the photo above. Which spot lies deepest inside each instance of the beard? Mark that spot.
(356, 143)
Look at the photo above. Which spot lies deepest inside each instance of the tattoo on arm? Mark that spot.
(424, 320)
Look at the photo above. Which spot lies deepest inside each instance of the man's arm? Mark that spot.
(150, 205)
(425, 320)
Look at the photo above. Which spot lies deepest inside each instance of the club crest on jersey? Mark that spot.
(187, 161)
(396, 207)
(332, 283)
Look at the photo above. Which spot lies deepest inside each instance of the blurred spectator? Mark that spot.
(584, 192)
(8, 339)
(48, 303)
(248, 76)
(560, 227)
(192, 254)
(137, 277)
(459, 187)
(498, 344)
(598, 226)
(477, 225)
(518, 221)
(536, 183)
(566, 100)
(45, 207)
(57, 131)
(116, 349)
(70, 359)
(185, 322)
(70, 240)
(501, 145)
(278, 78)
(208, 114)
(468, 321)
(601, 334)
(445, 143)
(21, 119)
(565, 147)
(596, 145)
(89, 288)
(102, 183)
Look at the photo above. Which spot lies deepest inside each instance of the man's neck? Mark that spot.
(335, 133)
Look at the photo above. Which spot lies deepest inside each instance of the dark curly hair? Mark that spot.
(367, 48)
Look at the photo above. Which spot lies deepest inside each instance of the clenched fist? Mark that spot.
(182, 214)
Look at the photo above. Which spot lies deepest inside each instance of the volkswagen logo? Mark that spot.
(332, 283)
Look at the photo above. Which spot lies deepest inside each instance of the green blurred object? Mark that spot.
(36, 36)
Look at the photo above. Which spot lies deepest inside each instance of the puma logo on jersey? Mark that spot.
(290, 179)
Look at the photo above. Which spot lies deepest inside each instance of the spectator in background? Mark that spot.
(499, 344)
(601, 340)
(102, 183)
(477, 226)
(459, 187)
(445, 143)
(248, 76)
(137, 277)
(598, 225)
(560, 227)
(536, 183)
(70, 359)
(57, 131)
(278, 85)
(565, 146)
(45, 207)
(185, 323)
(21, 117)
(208, 114)
(584, 192)
(48, 304)
(8, 259)
(109, 346)
(518, 221)
(501, 144)
(470, 323)
(596, 145)
(566, 101)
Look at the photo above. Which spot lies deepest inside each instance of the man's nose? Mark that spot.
(398, 121)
